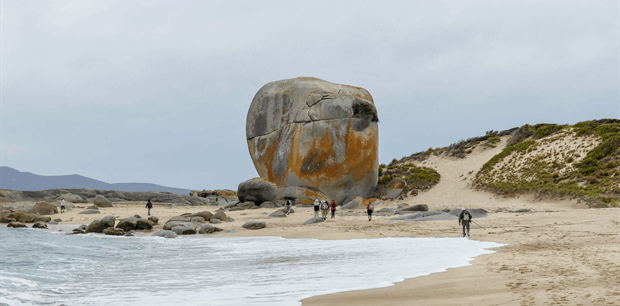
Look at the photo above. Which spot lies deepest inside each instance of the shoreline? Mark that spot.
(556, 253)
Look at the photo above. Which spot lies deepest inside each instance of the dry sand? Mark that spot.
(559, 253)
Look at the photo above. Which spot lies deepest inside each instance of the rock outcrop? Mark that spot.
(98, 226)
(314, 139)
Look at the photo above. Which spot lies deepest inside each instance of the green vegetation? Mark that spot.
(529, 164)
(417, 178)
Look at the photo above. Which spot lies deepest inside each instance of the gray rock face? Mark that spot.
(89, 212)
(257, 190)
(254, 225)
(165, 234)
(314, 139)
(426, 216)
(314, 220)
(44, 208)
(208, 229)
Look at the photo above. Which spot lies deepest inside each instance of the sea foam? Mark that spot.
(42, 267)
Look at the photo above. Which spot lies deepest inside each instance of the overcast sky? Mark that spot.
(158, 91)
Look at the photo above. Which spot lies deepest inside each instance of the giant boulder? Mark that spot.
(314, 139)
(102, 201)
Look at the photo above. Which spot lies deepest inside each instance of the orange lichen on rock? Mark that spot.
(314, 135)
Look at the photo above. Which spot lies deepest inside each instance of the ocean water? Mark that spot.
(39, 267)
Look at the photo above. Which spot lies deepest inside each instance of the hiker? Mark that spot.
(464, 220)
(369, 209)
(333, 207)
(149, 205)
(316, 207)
(324, 209)
(288, 206)
(62, 206)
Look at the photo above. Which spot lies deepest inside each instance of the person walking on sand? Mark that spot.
(464, 220)
(288, 206)
(333, 207)
(149, 205)
(316, 207)
(63, 205)
(369, 209)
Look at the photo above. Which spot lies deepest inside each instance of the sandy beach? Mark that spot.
(558, 251)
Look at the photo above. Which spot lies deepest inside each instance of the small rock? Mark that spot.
(57, 220)
(278, 214)
(16, 224)
(184, 230)
(39, 224)
(208, 229)
(153, 219)
(114, 231)
(101, 201)
(267, 204)
(254, 225)
(215, 221)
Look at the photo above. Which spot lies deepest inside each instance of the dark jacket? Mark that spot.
(149, 204)
(463, 218)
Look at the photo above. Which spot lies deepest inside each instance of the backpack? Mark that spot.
(466, 217)
(371, 207)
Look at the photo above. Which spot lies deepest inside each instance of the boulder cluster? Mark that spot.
(38, 215)
(125, 227)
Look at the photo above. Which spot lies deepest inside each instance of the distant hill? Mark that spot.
(25, 181)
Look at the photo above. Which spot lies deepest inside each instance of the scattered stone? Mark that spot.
(43, 219)
(219, 215)
(278, 214)
(254, 225)
(184, 229)
(127, 224)
(114, 231)
(52, 222)
(143, 224)
(57, 220)
(102, 201)
(89, 211)
(153, 219)
(165, 234)
(208, 229)
(16, 224)
(98, 226)
(314, 220)
(215, 221)
(39, 224)
(204, 214)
